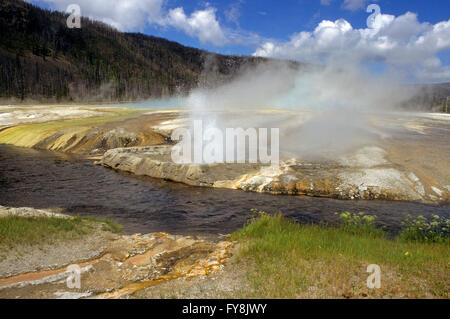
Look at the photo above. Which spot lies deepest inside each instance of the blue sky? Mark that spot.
(304, 30)
(280, 19)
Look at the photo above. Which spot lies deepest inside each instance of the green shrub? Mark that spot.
(421, 230)
(360, 224)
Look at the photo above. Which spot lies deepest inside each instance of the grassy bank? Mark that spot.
(277, 258)
(287, 260)
(15, 230)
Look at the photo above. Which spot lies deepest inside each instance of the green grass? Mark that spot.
(35, 230)
(288, 260)
(16, 230)
(107, 224)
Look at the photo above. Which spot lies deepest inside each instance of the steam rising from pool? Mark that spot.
(328, 107)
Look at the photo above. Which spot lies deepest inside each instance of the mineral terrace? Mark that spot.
(406, 158)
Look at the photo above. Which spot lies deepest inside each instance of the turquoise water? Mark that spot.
(175, 102)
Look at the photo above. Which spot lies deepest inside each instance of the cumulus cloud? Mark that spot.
(202, 24)
(135, 15)
(125, 15)
(401, 42)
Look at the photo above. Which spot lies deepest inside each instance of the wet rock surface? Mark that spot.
(155, 161)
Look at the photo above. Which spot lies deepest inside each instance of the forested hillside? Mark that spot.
(432, 97)
(43, 60)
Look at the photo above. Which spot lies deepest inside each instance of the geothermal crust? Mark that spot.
(110, 265)
(365, 174)
(407, 160)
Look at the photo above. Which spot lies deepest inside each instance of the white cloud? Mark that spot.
(125, 15)
(136, 15)
(233, 13)
(202, 24)
(434, 71)
(401, 42)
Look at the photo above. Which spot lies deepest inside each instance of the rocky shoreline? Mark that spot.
(365, 174)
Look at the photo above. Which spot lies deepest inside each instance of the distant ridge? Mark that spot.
(432, 97)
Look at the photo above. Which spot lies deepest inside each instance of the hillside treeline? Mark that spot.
(42, 59)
